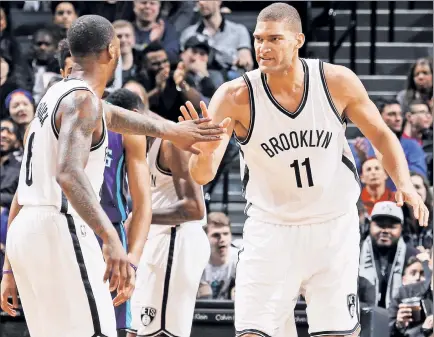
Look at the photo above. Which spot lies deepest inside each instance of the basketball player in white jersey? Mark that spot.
(177, 249)
(300, 182)
(52, 253)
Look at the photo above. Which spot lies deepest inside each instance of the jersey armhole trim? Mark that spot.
(328, 95)
(53, 118)
(252, 112)
(157, 165)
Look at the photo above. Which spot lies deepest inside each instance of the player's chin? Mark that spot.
(267, 68)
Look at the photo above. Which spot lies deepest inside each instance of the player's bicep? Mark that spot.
(137, 170)
(361, 110)
(80, 114)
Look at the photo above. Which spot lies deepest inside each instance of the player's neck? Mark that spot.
(290, 79)
(376, 191)
(91, 75)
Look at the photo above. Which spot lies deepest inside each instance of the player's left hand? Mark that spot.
(411, 197)
(124, 294)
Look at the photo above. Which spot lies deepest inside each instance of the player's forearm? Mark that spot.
(80, 194)
(202, 168)
(393, 159)
(177, 213)
(127, 122)
(13, 212)
(138, 233)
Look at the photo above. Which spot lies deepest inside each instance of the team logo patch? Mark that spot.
(351, 303)
(147, 315)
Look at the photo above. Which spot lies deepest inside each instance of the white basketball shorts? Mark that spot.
(168, 279)
(278, 263)
(59, 268)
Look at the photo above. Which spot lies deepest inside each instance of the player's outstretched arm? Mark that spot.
(222, 109)
(140, 190)
(190, 205)
(363, 112)
(81, 115)
(183, 135)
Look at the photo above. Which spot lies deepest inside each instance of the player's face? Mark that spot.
(413, 273)
(373, 173)
(219, 238)
(419, 186)
(276, 46)
(21, 109)
(8, 137)
(392, 116)
(68, 67)
(385, 231)
(114, 50)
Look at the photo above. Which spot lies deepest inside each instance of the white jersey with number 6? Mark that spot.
(37, 184)
(296, 166)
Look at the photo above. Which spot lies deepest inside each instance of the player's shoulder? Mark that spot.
(234, 92)
(337, 73)
(342, 81)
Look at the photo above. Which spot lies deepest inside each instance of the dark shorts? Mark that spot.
(123, 311)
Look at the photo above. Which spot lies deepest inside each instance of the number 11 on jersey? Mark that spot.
(296, 167)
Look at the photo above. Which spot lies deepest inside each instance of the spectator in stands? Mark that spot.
(167, 90)
(419, 84)
(10, 166)
(112, 10)
(374, 179)
(21, 108)
(391, 113)
(364, 222)
(41, 61)
(64, 58)
(7, 83)
(411, 310)
(125, 33)
(419, 237)
(138, 89)
(64, 14)
(229, 41)
(384, 252)
(178, 13)
(413, 271)
(195, 59)
(218, 279)
(418, 122)
(149, 27)
(9, 47)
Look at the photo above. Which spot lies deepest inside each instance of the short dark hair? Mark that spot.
(418, 101)
(89, 35)
(126, 99)
(63, 53)
(14, 124)
(381, 103)
(74, 4)
(280, 11)
(152, 47)
(45, 31)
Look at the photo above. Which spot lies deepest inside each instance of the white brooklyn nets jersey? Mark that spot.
(296, 166)
(37, 184)
(162, 186)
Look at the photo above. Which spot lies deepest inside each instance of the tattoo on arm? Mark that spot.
(126, 122)
(81, 114)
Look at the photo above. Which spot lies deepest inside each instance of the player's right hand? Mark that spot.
(118, 268)
(9, 289)
(189, 113)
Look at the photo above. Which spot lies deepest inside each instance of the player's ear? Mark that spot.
(111, 51)
(300, 40)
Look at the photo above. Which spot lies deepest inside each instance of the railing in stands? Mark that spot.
(373, 49)
(351, 31)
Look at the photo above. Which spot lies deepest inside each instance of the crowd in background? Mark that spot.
(172, 52)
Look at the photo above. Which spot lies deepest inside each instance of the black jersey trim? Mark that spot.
(252, 112)
(336, 333)
(328, 95)
(251, 332)
(348, 163)
(157, 164)
(303, 99)
(104, 134)
(53, 118)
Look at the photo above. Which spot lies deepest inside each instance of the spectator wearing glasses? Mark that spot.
(418, 122)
